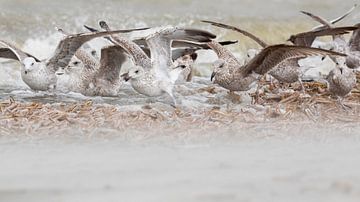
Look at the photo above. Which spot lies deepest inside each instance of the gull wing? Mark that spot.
(71, 43)
(181, 48)
(138, 55)
(307, 38)
(112, 58)
(272, 56)
(319, 19)
(246, 33)
(9, 51)
(336, 19)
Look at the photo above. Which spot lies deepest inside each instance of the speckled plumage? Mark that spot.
(95, 78)
(341, 81)
(281, 61)
(288, 71)
(339, 44)
(230, 75)
(40, 75)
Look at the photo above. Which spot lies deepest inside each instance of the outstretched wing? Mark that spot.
(112, 58)
(307, 38)
(319, 19)
(138, 55)
(336, 19)
(160, 46)
(272, 56)
(246, 33)
(186, 44)
(70, 44)
(181, 48)
(9, 51)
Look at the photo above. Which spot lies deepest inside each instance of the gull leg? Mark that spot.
(174, 103)
(256, 101)
(169, 90)
(341, 103)
(302, 86)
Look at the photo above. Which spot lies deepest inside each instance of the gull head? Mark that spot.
(134, 73)
(219, 66)
(251, 53)
(29, 64)
(292, 39)
(73, 68)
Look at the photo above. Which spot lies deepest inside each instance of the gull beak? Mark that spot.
(341, 70)
(126, 76)
(212, 76)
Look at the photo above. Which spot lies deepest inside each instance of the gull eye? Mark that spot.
(76, 63)
(137, 71)
(32, 64)
(182, 66)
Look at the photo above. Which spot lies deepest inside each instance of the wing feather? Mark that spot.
(272, 56)
(245, 33)
(70, 44)
(9, 51)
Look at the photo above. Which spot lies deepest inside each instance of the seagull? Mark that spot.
(302, 39)
(157, 75)
(340, 81)
(93, 78)
(309, 39)
(40, 75)
(281, 65)
(351, 48)
(96, 78)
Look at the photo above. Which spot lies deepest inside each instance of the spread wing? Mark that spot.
(186, 44)
(181, 48)
(71, 43)
(138, 55)
(112, 58)
(246, 33)
(160, 43)
(319, 19)
(337, 19)
(272, 56)
(9, 51)
(307, 38)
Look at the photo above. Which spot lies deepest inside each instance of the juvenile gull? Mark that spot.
(309, 38)
(341, 81)
(286, 70)
(95, 78)
(40, 75)
(351, 48)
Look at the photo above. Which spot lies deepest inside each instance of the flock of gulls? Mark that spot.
(166, 57)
